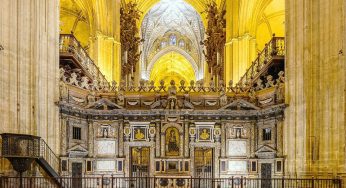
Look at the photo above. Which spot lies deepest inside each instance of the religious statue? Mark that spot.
(172, 98)
(63, 90)
(62, 74)
(104, 132)
(223, 98)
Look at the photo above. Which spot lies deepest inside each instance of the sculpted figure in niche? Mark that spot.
(105, 132)
(172, 142)
(238, 133)
(172, 98)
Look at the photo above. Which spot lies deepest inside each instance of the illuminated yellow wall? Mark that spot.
(200, 6)
(172, 66)
(250, 24)
(96, 24)
(73, 20)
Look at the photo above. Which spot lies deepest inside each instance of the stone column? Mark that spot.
(224, 131)
(29, 69)
(186, 139)
(91, 139)
(121, 138)
(315, 87)
(63, 135)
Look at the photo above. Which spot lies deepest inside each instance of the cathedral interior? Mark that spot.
(173, 93)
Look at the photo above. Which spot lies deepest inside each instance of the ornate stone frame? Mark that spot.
(163, 139)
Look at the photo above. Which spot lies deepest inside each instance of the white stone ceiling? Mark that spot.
(171, 15)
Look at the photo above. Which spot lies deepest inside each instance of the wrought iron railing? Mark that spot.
(69, 45)
(275, 48)
(49, 156)
(164, 182)
(19, 146)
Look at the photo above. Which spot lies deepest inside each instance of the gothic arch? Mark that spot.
(167, 50)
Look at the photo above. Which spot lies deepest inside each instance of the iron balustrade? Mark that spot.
(21, 147)
(49, 156)
(70, 46)
(275, 48)
(164, 182)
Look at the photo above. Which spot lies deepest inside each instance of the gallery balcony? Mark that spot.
(270, 61)
(74, 58)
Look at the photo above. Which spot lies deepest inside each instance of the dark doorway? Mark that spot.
(266, 175)
(77, 175)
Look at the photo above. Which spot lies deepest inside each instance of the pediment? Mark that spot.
(240, 104)
(104, 104)
(265, 149)
(77, 149)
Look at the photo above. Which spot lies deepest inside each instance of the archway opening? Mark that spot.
(172, 24)
(172, 66)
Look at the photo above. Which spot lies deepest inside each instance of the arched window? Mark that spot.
(173, 40)
(181, 43)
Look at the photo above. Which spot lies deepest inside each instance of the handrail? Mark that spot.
(49, 156)
(274, 48)
(70, 45)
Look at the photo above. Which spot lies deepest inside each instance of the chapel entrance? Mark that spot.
(203, 162)
(77, 169)
(140, 157)
(266, 175)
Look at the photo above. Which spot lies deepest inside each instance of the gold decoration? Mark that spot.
(172, 141)
(129, 15)
(216, 39)
(139, 135)
(204, 134)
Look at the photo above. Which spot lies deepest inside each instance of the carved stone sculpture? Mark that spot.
(259, 84)
(281, 78)
(73, 79)
(85, 82)
(270, 81)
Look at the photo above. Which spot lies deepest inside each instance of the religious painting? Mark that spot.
(139, 133)
(172, 141)
(204, 134)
